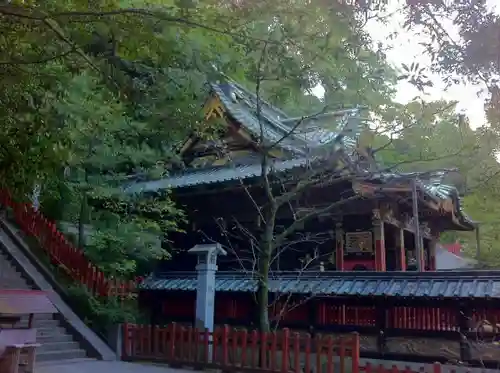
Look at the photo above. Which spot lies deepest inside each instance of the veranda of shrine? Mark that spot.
(361, 272)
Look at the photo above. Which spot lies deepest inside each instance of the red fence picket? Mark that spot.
(62, 253)
(240, 350)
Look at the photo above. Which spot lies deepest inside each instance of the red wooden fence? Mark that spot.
(423, 318)
(62, 253)
(239, 350)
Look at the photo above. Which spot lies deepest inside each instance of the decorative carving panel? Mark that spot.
(366, 342)
(484, 350)
(359, 242)
(424, 347)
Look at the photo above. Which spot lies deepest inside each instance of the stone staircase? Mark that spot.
(57, 343)
(64, 338)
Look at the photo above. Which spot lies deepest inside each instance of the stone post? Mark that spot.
(115, 339)
(205, 288)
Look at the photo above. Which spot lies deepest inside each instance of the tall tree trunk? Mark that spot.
(263, 293)
(266, 251)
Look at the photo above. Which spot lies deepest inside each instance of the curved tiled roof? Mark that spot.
(431, 184)
(443, 191)
(294, 134)
(307, 143)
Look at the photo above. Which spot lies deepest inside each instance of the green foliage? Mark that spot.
(468, 54)
(97, 312)
(90, 100)
(105, 145)
(126, 87)
(102, 313)
(423, 136)
(432, 136)
(299, 45)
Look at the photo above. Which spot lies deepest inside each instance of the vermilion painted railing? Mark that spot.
(240, 350)
(61, 252)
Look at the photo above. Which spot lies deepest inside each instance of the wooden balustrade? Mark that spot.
(240, 350)
(423, 318)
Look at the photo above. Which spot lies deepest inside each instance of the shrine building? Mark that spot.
(350, 263)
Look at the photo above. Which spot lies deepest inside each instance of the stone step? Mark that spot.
(13, 274)
(6, 260)
(58, 346)
(10, 272)
(39, 324)
(13, 287)
(39, 316)
(65, 362)
(55, 338)
(8, 263)
(43, 332)
(60, 355)
(13, 283)
(9, 267)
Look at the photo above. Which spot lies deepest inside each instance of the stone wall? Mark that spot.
(424, 347)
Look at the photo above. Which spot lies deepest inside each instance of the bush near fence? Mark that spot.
(62, 253)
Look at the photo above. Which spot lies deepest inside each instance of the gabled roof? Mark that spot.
(298, 135)
(459, 284)
(307, 141)
(305, 138)
(432, 186)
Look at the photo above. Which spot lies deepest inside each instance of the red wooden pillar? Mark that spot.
(378, 233)
(339, 247)
(400, 249)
